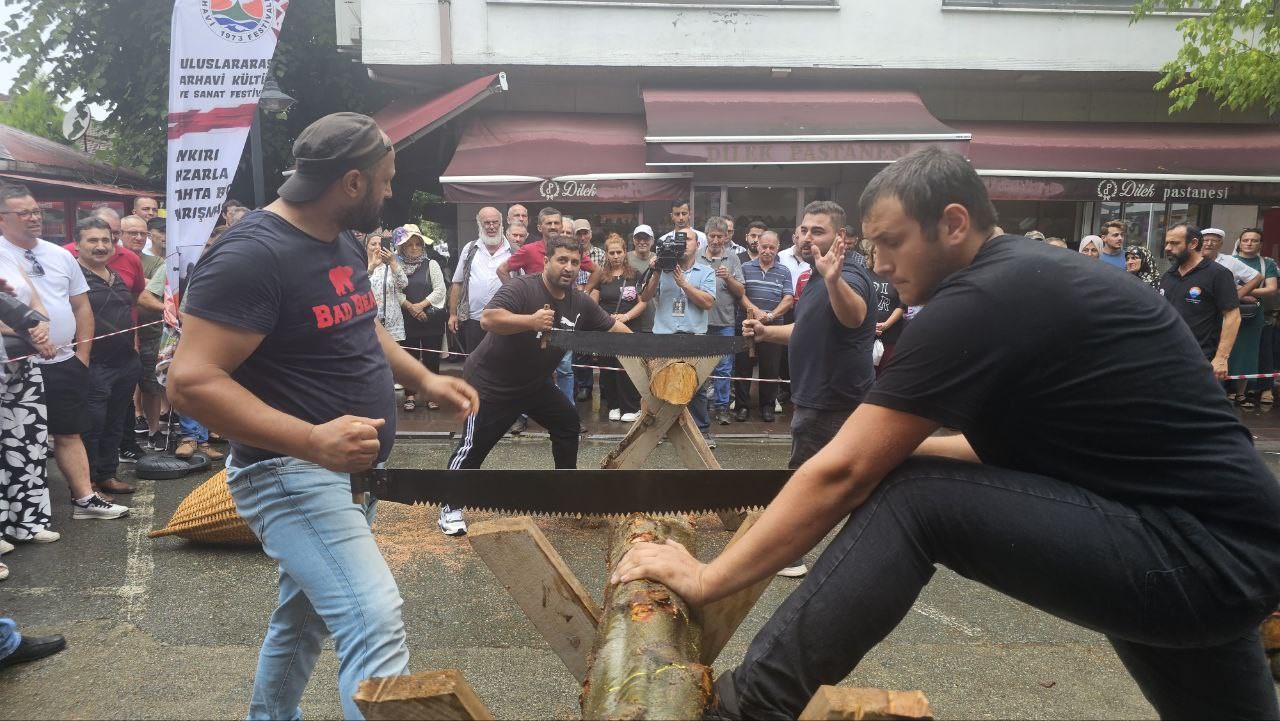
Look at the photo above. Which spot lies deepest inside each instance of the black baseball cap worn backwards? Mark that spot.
(330, 147)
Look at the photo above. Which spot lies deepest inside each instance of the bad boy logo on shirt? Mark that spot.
(328, 315)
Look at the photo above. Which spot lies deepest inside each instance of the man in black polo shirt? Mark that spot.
(1204, 294)
(829, 345)
(1100, 475)
(512, 371)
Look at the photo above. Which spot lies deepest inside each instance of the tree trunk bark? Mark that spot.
(644, 663)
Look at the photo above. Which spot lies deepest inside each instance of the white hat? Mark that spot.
(1213, 231)
(642, 230)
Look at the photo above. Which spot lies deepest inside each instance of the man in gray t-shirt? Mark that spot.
(721, 319)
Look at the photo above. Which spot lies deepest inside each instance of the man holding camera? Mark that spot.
(682, 298)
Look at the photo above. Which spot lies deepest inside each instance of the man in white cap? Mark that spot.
(1247, 279)
(642, 244)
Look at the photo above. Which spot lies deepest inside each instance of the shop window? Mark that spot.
(775, 206)
(706, 203)
(54, 226)
(1053, 219)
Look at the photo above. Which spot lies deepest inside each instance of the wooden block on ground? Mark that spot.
(535, 575)
(430, 694)
(720, 619)
(832, 702)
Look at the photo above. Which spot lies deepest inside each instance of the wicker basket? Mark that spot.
(208, 515)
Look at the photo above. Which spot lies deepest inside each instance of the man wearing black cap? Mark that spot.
(281, 353)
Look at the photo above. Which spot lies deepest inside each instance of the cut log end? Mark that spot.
(675, 382)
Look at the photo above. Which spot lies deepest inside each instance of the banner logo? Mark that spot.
(568, 189)
(1107, 189)
(239, 21)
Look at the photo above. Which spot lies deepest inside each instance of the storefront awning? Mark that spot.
(546, 157)
(407, 119)
(99, 188)
(789, 127)
(1128, 162)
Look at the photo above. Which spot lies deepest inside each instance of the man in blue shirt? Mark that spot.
(768, 298)
(682, 299)
(1113, 243)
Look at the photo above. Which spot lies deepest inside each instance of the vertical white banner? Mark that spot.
(221, 50)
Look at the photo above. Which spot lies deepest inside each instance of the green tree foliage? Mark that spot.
(35, 110)
(117, 53)
(1230, 53)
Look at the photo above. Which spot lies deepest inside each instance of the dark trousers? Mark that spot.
(470, 334)
(110, 395)
(583, 377)
(616, 388)
(428, 358)
(769, 358)
(1050, 544)
(547, 406)
(1267, 351)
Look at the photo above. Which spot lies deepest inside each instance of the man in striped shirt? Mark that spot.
(767, 299)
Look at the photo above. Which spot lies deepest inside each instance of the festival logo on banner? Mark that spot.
(220, 55)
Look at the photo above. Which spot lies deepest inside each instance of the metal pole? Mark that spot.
(255, 153)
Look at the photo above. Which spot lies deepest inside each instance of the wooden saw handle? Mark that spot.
(543, 344)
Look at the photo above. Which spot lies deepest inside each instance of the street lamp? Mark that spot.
(272, 100)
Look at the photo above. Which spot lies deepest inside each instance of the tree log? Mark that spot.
(645, 659)
(832, 703)
(674, 382)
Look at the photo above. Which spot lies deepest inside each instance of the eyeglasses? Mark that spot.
(24, 214)
(136, 233)
(37, 270)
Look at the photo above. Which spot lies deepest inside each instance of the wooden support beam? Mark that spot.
(644, 663)
(693, 452)
(430, 694)
(720, 619)
(535, 575)
(832, 703)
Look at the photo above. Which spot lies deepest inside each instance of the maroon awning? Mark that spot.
(101, 188)
(556, 157)
(407, 119)
(1131, 162)
(788, 127)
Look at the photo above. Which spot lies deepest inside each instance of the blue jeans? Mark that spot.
(191, 428)
(723, 368)
(9, 636)
(1192, 646)
(564, 376)
(333, 580)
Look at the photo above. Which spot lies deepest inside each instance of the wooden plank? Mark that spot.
(720, 619)
(535, 575)
(832, 703)
(430, 694)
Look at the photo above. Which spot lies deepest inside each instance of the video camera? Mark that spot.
(670, 250)
(21, 318)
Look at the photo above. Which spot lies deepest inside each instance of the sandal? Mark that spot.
(1246, 402)
(410, 404)
(1266, 399)
(433, 406)
(4, 571)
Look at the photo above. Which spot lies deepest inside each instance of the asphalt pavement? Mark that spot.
(170, 629)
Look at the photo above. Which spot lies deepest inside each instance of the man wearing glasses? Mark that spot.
(62, 286)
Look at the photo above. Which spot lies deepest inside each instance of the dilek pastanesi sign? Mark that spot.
(220, 55)
(1132, 190)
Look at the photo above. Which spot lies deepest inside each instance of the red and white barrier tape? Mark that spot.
(1252, 376)
(87, 340)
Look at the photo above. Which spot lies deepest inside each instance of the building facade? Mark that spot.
(609, 109)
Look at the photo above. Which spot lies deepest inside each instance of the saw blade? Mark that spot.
(587, 492)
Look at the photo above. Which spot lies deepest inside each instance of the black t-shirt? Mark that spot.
(506, 367)
(831, 364)
(887, 301)
(620, 295)
(320, 357)
(112, 305)
(1200, 297)
(1054, 364)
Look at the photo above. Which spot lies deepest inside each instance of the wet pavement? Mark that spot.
(170, 629)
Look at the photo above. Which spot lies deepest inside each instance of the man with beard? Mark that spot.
(282, 353)
(475, 280)
(1099, 475)
(1203, 292)
(755, 229)
(513, 372)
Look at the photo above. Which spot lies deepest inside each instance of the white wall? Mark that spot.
(858, 33)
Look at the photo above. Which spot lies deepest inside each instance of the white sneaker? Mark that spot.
(795, 570)
(777, 406)
(451, 522)
(399, 387)
(629, 417)
(46, 536)
(5, 546)
(615, 415)
(97, 508)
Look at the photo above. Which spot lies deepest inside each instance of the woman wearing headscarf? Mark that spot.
(1140, 264)
(1254, 341)
(422, 303)
(1091, 245)
(387, 279)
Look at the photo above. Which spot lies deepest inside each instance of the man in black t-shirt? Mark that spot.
(1100, 474)
(512, 371)
(829, 345)
(281, 353)
(1203, 293)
